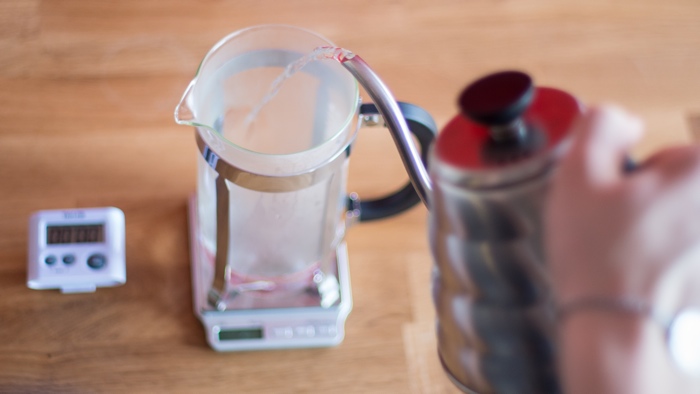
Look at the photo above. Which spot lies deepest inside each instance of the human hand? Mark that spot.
(615, 234)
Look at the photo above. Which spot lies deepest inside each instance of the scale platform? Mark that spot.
(255, 321)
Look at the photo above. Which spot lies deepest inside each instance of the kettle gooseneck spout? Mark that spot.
(389, 108)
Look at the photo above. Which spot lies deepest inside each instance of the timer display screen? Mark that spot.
(75, 234)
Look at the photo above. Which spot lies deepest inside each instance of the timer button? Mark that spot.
(50, 260)
(68, 259)
(97, 261)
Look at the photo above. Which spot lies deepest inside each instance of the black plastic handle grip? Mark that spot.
(423, 127)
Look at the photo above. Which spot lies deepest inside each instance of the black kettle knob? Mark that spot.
(497, 99)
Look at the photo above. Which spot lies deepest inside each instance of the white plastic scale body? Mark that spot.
(271, 327)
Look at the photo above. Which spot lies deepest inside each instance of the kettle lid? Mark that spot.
(505, 120)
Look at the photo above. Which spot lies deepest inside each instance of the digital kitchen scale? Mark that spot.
(255, 321)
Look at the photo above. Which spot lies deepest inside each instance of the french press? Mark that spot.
(267, 224)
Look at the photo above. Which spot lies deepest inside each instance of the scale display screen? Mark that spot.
(75, 234)
(240, 334)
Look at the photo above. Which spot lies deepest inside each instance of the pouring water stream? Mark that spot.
(380, 94)
(320, 53)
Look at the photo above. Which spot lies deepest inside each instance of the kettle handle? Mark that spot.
(423, 127)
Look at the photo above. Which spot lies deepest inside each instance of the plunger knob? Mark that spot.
(497, 101)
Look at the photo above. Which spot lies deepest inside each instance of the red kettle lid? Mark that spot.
(506, 120)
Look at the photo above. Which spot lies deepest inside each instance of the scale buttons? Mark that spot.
(283, 332)
(326, 330)
(305, 331)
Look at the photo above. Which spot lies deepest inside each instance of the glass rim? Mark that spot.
(352, 113)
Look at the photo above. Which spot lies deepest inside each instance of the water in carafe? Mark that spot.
(294, 115)
(320, 53)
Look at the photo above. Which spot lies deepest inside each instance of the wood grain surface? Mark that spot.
(87, 92)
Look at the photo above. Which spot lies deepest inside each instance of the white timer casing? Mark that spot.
(76, 263)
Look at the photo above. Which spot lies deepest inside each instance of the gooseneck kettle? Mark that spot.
(485, 185)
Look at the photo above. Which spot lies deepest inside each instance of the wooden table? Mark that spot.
(87, 92)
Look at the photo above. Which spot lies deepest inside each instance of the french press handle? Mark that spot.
(423, 127)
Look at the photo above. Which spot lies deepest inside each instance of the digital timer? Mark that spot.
(76, 250)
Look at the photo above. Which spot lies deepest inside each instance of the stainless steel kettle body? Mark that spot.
(489, 171)
(490, 287)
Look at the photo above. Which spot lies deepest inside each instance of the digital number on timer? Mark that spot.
(77, 234)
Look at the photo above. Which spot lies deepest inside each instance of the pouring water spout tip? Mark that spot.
(347, 56)
(339, 54)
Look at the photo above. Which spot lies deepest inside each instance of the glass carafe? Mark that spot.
(271, 191)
